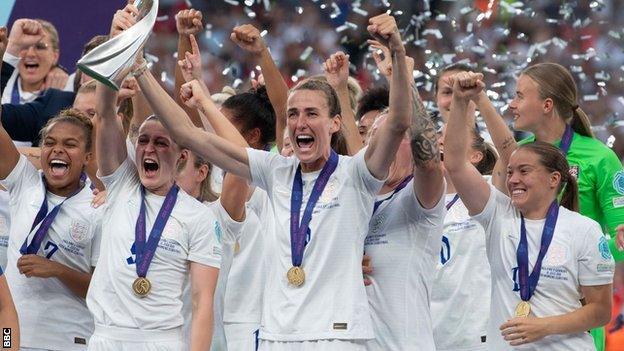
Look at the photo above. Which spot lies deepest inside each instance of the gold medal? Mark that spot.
(296, 276)
(236, 247)
(141, 286)
(523, 309)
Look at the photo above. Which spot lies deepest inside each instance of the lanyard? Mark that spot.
(46, 219)
(298, 231)
(145, 250)
(527, 282)
(452, 202)
(396, 190)
(566, 140)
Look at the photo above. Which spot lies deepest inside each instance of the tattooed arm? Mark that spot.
(428, 176)
(501, 136)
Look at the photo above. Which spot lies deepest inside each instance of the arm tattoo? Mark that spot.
(133, 132)
(507, 142)
(423, 136)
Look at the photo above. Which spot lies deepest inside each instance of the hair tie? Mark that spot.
(575, 107)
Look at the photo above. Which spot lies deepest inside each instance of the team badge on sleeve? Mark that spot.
(618, 182)
(603, 247)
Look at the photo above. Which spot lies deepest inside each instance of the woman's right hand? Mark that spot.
(466, 85)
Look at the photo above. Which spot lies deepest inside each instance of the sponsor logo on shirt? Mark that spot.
(618, 182)
(78, 230)
(603, 247)
(574, 171)
(605, 268)
(618, 202)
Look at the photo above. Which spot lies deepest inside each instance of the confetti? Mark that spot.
(232, 2)
(306, 53)
(360, 12)
(162, 18)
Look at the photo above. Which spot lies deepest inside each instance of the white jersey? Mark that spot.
(460, 296)
(332, 303)
(577, 256)
(5, 226)
(403, 242)
(50, 315)
(187, 237)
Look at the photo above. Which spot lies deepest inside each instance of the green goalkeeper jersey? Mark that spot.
(600, 178)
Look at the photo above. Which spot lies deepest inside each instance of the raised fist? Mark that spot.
(189, 22)
(248, 38)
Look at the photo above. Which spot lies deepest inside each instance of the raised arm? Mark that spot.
(195, 95)
(336, 69)
(248, 38)
(188, 24)
(471, 187)
(214, 149)
(428, 174)
(502, 137)
(387, 140)
(10, 155)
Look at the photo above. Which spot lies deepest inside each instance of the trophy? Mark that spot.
(110, 62)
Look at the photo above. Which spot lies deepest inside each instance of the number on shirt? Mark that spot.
(514, 273)
(132, 258)
(445, 250)
(50, 248)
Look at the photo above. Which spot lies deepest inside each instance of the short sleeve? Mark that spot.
(231, 229)
(204, 246)
(596, 265)
(497, 208)
(261, 166)
(610, 190)
(413, 209)
(22, 178)
(361, 173)
(125, 172)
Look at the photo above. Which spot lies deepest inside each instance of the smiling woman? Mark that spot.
(538, 294)
(45, 243)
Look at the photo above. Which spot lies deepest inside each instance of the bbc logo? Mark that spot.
(6, 338)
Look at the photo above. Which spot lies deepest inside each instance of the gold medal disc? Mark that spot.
(141, 286)
(523, 309)
(296, 276)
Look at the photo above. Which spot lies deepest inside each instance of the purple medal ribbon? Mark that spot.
(527, 282)
(46, 219)
(452, 202)
(298, 231)
(15, 95)
(396, 190)
(566, 140)
(145, 251)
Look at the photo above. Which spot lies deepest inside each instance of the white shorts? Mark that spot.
(125, 339)
(316, 345)
(241, 336)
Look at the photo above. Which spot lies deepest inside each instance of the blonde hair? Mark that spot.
(52, 32)
(555, 82)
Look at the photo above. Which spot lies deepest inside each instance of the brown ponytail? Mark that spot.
(488, 161)
(554, 161)
(556, 82)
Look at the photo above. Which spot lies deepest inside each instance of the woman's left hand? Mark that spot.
(524, 330)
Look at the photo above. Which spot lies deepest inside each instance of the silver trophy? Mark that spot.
(110, 62)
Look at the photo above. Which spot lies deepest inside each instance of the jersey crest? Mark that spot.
(78, 231)
(603, 247)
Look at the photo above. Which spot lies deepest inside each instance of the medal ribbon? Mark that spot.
(527, 282)
(566, 140)
(46, 219)
(15, 95)
(145, 251)
(396, 190)
(452, 202)
(298, 231)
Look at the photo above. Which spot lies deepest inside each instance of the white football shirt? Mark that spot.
(50, 315)
(577, 256)
(403, 242)
(187, 237)
(5, 226)
(332, 303)
(460, 294)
